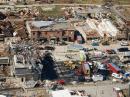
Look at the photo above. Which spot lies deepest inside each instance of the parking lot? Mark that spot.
(65, 71)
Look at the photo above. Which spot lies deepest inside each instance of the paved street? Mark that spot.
(63, 49)
(36, 5)
(104, 89)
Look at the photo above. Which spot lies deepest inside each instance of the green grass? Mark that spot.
(56, 12)
(89, 1)
(93, 1)
(79, 1)
(124, 1)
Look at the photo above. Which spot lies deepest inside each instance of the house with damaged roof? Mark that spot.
(6, 67)
(6, 28)
(50, 30)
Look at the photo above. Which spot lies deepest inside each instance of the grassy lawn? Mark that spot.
(101, 1)
(55, 12)
(92, 1)
(124, 1)
(89, 1)
(84, 1)
(79, 1)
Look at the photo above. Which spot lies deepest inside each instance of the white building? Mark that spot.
(96, 28)
(66, 93)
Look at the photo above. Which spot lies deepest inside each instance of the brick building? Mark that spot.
(50, 30)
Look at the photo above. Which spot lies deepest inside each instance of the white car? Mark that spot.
(97, 78)
(116, 89)
(124, 43)
(116, 75)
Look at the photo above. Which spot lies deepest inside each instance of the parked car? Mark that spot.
(124, 49)
(116, 75)
(40, 48)
(63, 43)
(116, 89)
(95, 42)
(49, 48)
(111, 51)
(126, 61)
(61, 81)
(105, 43)
(97, 78)
(124, 43)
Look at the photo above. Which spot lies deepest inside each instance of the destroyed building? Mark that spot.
(50, 29)
(6, 28)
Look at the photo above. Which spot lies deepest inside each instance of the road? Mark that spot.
(36, 5)
(99, 89)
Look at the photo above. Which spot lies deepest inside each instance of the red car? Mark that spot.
(61, 81)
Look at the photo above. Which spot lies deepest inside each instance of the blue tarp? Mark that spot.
(40, 24)
(127, 75)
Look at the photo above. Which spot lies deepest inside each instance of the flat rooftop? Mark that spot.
(49, 25)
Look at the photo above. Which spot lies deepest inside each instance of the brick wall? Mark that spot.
(50, 34)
